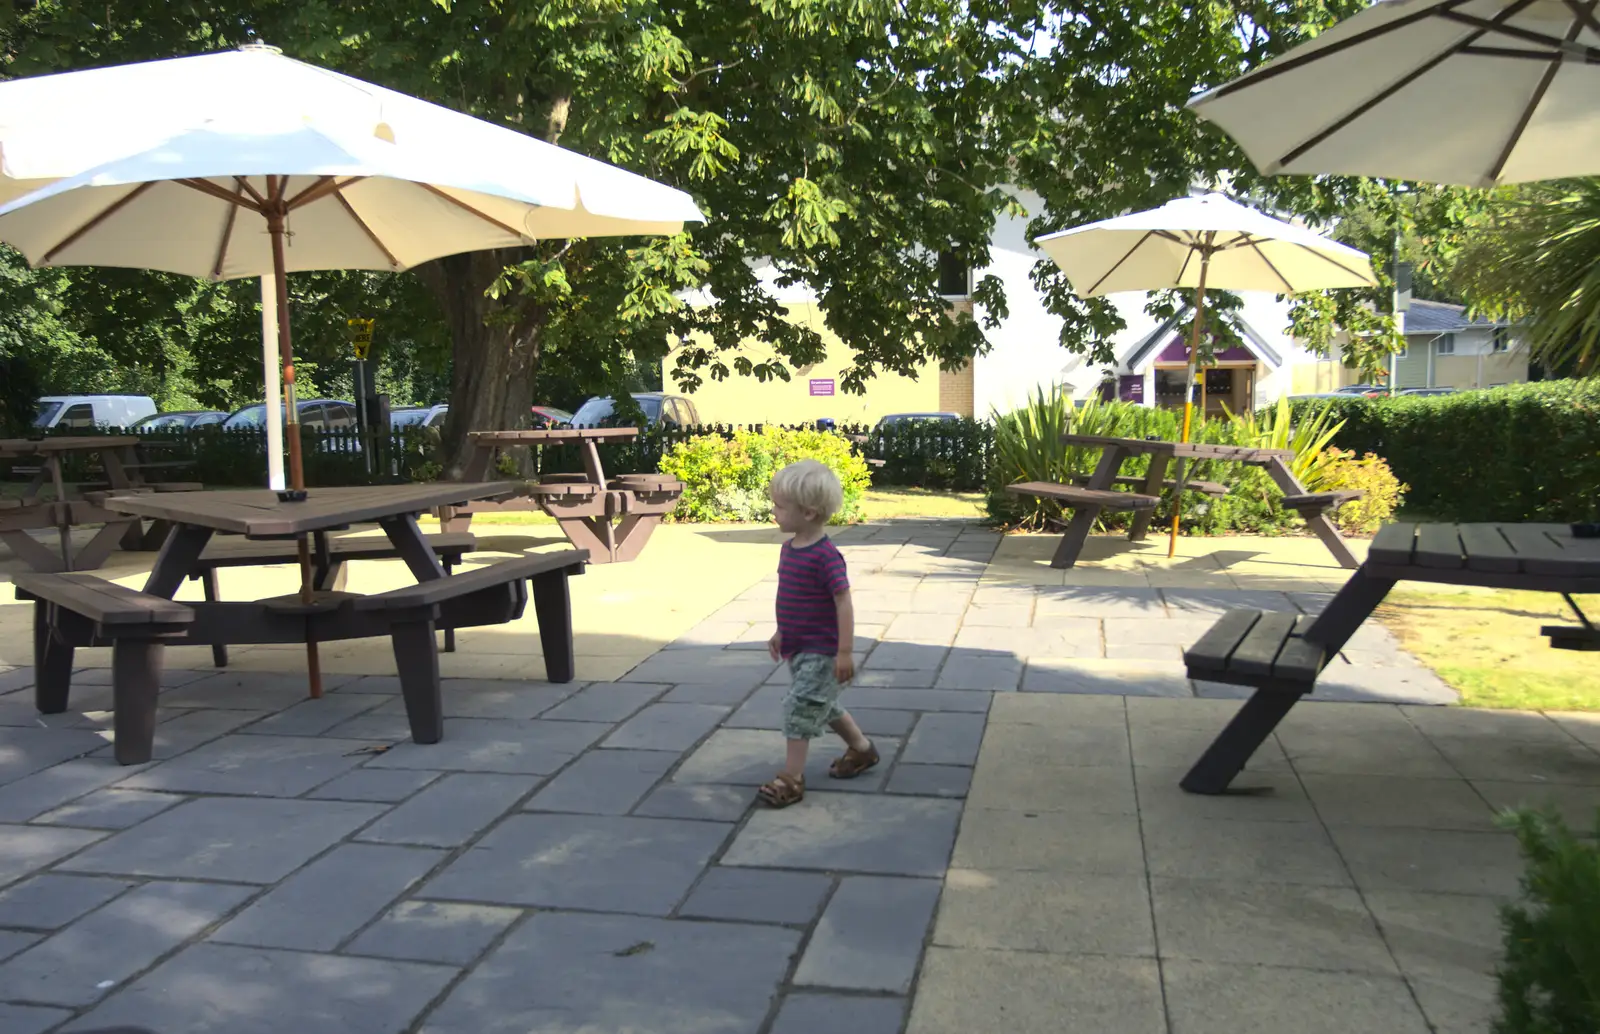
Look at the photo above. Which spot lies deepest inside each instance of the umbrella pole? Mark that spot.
(276, 216)
(1188, 395)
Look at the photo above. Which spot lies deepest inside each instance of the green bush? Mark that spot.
(1526, 452)
(726, 478)
(1371, 475)
(1550, 976)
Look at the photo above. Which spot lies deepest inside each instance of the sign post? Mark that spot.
(361, 344)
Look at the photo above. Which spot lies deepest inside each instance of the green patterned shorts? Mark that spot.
(813, 698)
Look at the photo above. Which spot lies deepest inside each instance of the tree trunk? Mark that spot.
(494, 349)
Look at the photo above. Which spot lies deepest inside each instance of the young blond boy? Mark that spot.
(816, 630)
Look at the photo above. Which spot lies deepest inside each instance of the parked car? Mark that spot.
(1368, 390)
(1410, 392)
(179, 420)
(417, 416)
(897, 419)
(86, 412)
(550, 416)
(319, 414)
(659, 409)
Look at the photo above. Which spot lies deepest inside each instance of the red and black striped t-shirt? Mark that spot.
(809, 578)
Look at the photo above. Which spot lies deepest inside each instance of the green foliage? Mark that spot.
(1538, 259)
(1277, 428)
(953, 454)
(726, 478)
(1550, 977)
(1526, 452)
(1341, 470)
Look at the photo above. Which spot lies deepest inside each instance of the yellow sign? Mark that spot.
(360, 336)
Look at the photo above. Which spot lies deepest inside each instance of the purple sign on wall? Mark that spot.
(1131, 389)
(823, 386)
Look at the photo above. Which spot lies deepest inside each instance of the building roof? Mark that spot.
(1443, 318)
(1170, 332)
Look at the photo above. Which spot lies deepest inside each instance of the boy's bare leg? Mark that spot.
(848, 731)
(794, 764)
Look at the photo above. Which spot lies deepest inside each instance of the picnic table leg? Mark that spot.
(1318, 522)
(135, 685)
(591, 464)
(52, 664)
(63, 512)
(208, 585)
(1350, 607)
(27, 549)
(589, 533)
(176, 559)
(478, 464)
(449, 633)
(407, 538)
(1083, 517)
(1237, 743)
(633, 532)
(1152, 486)
(416, 658)
(552, 605)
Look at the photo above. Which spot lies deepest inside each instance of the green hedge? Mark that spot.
(1526, 452)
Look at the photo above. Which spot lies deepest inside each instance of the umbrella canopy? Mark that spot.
(347, 199)
(1167, 247)
(1471, 92)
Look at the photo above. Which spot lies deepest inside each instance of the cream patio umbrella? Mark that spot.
(268, 191)
(1477, 93)
(1196, 242)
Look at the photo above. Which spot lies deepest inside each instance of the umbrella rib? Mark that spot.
(1118, 265)
(1534, 101)
(1333, 48)
(430, 188)
(227, 235)
(393, 262)
(1512, 52)
(1255, 246)
(1393, 88)
(321, 189)
(1499, 28)
(1332, 261)
(1585, 14)
(260, 201)
(220, 193)
(104, 214)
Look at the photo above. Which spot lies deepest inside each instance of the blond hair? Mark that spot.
(810, 485)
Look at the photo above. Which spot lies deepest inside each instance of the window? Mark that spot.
(1445, 345)
(955, 276)
(80, 416)
(340, 415)
(1500, 339)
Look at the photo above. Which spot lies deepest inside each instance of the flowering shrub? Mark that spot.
(726, 478)
(1341, 471)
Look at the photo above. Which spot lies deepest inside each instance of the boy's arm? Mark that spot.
(844, 665)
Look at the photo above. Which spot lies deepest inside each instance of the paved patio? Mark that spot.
(586, 857)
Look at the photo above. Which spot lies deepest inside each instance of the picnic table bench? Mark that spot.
(1281, 655)
(612, 518)
(1096, 493)
(74, 610)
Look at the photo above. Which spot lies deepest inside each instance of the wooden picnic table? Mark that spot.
(610, 517)
(1097, 494)
(70, 506)
(1281, 655)
(74, 610)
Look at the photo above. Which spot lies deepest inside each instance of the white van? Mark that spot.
(91, 411)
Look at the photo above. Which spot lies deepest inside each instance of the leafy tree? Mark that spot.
(1538, 259)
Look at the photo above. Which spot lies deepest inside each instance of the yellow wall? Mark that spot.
(744, 400)
(1310, 378)
(1463, 371)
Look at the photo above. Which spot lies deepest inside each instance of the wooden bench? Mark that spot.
(1211, 488)
(328, 574)
(1087, 504)
(1268, 651)
(1315, 504)
(83, 607)
(488, 595)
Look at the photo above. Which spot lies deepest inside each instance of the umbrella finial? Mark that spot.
(255, 46)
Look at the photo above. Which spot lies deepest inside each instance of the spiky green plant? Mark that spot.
(1274, 428)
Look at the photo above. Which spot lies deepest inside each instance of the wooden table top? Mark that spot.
(65, 443)
(1181, 450)
(556, 434)
(259, 512)
(1456, 552)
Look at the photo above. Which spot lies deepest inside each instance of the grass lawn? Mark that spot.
(881, 503)
(1486, 644)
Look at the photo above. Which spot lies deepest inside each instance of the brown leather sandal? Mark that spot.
(783, 791)
(853, 762)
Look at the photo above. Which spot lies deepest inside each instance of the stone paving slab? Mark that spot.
(591, 855)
